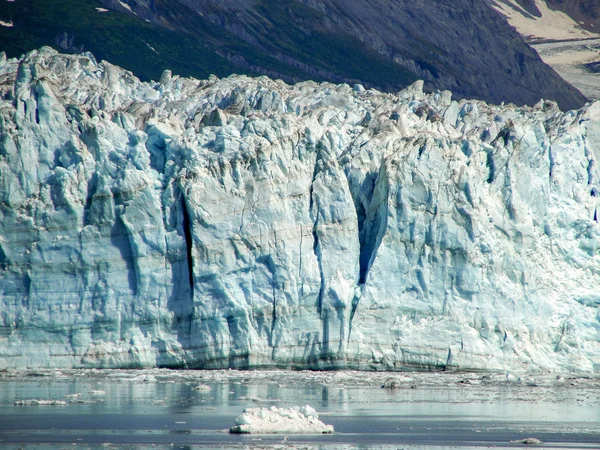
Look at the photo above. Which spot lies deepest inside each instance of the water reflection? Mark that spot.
(183, 397)
(177, 411)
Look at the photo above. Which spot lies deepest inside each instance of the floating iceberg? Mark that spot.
(273, 420)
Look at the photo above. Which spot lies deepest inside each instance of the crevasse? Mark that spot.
(247, 223)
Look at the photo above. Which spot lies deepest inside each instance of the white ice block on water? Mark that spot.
(273, 420)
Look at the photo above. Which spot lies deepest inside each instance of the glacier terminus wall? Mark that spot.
(246, 223)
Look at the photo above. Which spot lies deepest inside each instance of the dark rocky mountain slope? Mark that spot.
(460, 45)
(585, 12)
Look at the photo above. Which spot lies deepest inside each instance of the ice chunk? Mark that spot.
(296, 420)
(35, 402)
(145, 378)
(396, 382)
(527, 441)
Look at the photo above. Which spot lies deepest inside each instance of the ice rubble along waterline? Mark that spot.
(247, 223)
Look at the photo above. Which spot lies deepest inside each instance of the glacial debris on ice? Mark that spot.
(247, 223)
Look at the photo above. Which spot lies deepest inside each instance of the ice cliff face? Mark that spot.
(245, 223)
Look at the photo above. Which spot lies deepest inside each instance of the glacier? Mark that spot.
(246, 223)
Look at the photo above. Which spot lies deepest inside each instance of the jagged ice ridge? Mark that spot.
(248, 223)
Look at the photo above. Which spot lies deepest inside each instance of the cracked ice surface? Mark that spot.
(247, 223)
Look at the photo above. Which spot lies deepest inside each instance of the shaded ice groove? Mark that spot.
(246, 223)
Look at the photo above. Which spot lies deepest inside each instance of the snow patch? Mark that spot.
(152, 48)
(126, 6)
(296, 420)
(551, 25)
(101, 10)
(560, 41)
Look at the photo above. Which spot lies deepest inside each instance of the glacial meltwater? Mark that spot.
(106, 409)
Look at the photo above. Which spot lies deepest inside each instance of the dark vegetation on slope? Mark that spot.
(124, 40)
(148, 48)
(461, 45)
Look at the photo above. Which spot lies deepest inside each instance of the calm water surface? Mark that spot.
(163, 409)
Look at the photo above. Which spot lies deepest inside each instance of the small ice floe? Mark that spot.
(147, 378)
(531, 382)
(72, 396)
(7, 24)
(244, 398)
(528, 441)
(273, 420)
(127, 7)
(35, 402)
(390, 383)
(468, 381)
(393, 383)
(511, 378)
(203, 388)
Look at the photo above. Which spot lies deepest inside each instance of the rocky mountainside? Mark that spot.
(561, 40)
(248, 223)
(460, 45)
(584, 12)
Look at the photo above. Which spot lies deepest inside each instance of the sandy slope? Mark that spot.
(560, 42)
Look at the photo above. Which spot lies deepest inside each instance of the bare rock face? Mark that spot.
(459, 45)
(585, 12)
(247, 223)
